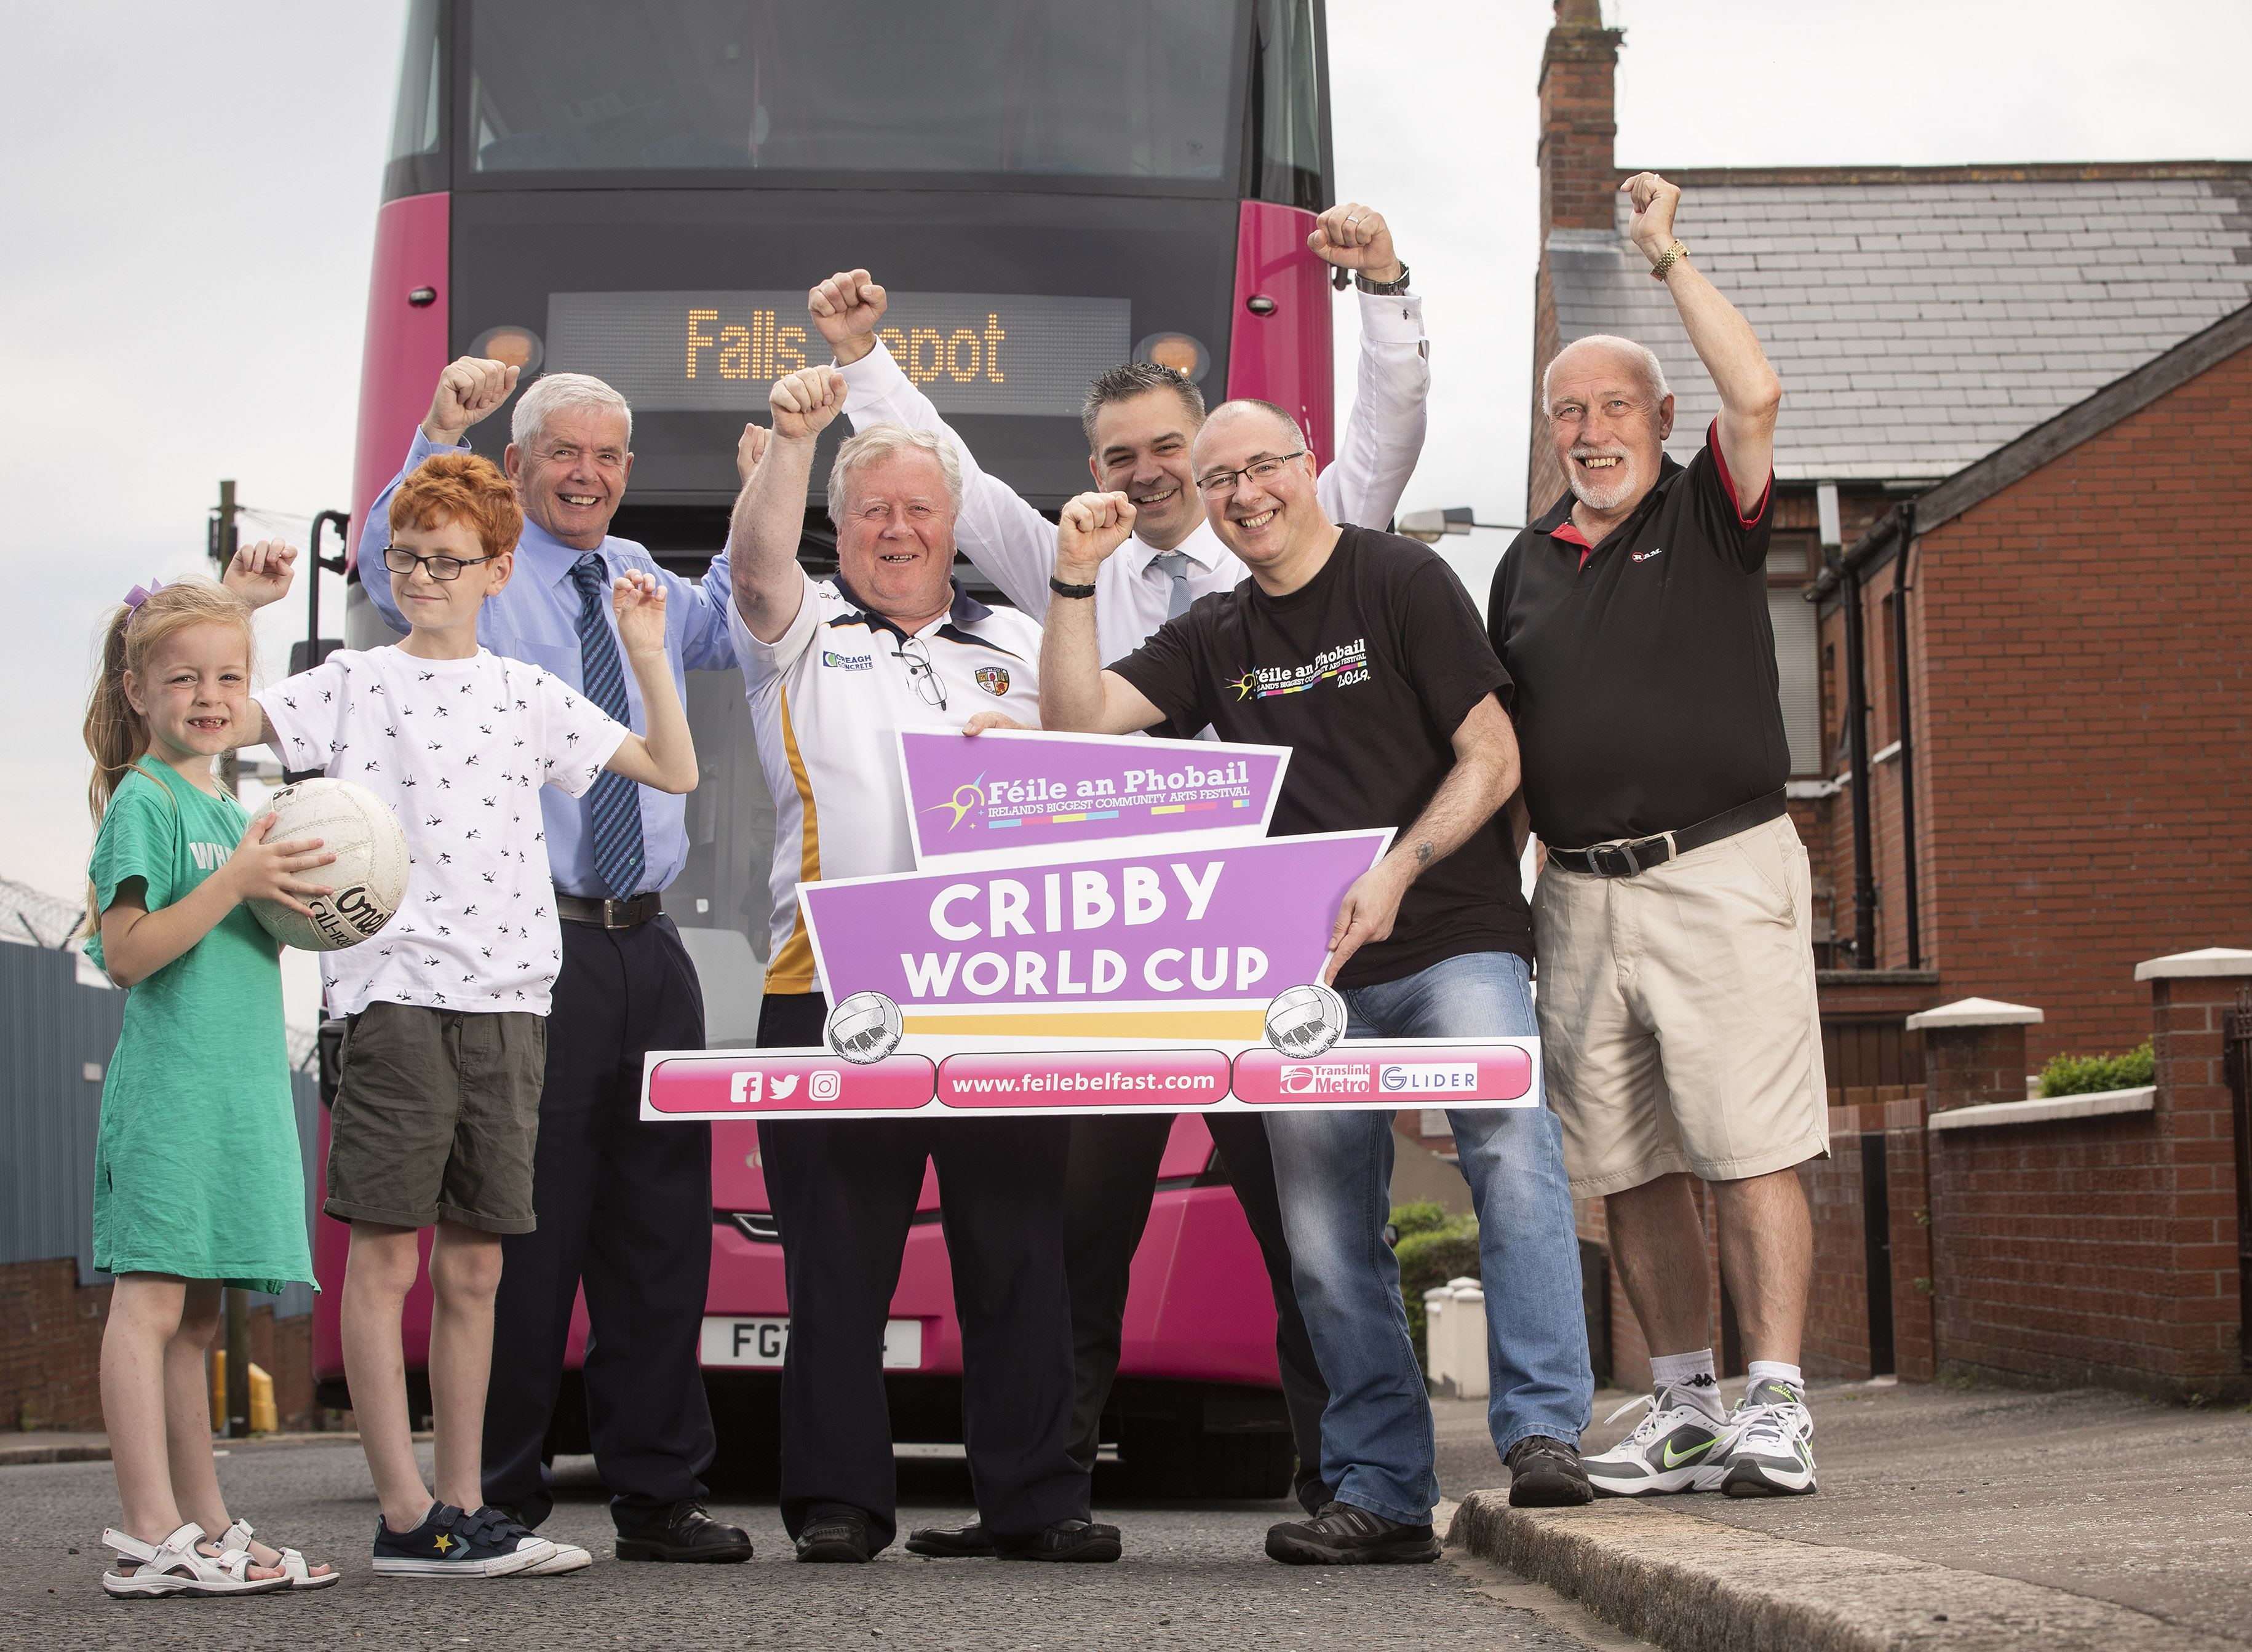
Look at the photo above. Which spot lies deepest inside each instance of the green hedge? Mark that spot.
(1433, 1247)
(2085, 1075)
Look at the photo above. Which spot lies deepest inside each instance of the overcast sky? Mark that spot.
(192, 199)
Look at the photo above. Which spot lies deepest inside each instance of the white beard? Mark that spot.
(1601, 496)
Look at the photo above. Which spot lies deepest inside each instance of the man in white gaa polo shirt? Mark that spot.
(831, 670)
(1140, 418)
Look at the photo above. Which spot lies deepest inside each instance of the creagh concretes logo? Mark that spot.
(837, 662)
(1345, 664)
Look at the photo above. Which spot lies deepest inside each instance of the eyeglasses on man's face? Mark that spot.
(399, 559)
(1259, 472)
(920, 672)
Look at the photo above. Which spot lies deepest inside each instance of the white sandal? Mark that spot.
(178, 1567)
(236, 1540)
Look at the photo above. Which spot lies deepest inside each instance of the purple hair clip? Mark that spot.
(139, 594)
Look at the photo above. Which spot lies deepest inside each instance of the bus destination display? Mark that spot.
(969, 352)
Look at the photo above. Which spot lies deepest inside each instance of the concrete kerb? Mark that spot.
(1697, 1586)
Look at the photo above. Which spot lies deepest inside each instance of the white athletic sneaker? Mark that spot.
(568, 1557)
(1676, 1448)
(1768, 1452)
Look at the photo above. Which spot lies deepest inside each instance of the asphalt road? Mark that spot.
(1194, 1575)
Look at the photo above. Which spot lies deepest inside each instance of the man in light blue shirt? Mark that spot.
(623, 1206)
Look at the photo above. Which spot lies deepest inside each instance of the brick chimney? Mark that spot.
(1577, 180)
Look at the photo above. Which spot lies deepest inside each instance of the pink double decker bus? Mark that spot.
(644, 192)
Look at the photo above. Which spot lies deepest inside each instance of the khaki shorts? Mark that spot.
(1679, 1027)
(436, 1115)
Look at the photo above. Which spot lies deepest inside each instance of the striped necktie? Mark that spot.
(614, 803)
(1176, 564)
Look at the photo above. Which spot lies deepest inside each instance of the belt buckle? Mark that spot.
(612, 917)
(1601, 867)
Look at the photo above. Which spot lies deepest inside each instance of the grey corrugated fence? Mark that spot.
(56, 1039)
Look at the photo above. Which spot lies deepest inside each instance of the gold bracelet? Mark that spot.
(1673, 255)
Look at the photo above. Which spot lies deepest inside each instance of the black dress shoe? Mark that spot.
(685, 1533)
(1547, 1474)
(836, 1535)
(969, 1543)
(1067, 1540)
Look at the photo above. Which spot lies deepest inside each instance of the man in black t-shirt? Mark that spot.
(1680, 1030)
(1362, 653)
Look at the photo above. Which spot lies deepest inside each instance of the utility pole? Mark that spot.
(221, 546)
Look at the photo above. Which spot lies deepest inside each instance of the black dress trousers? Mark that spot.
(626, 1207)
(1113, 1175)
(844, 1194)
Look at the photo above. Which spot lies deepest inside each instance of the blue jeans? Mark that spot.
(1334, 1173)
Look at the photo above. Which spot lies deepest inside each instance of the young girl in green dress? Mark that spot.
(197, 1179)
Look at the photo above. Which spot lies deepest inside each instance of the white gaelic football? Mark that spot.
(1304, 1021)
(866, 1027)
(369, 873)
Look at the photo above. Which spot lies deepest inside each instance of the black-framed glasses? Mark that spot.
(1258, 472)
(399, 559)
(921, 671)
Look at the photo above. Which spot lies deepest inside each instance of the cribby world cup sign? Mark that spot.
(1094, 925)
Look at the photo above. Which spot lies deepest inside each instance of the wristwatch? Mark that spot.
(1382, 289)
(1062, 589)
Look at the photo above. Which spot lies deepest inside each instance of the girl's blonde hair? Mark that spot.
(115, 733)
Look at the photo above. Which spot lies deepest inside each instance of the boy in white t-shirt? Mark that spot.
(437, 1109)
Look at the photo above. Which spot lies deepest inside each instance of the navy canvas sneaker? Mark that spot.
(450, 1544)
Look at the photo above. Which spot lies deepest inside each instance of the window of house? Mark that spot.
(1791, 561)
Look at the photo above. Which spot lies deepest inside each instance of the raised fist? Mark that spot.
(260, 573)
(1654, 203)
(805, 402)
(1092, 526)
(468, 390)
(846, 308)
(638, 601)
(1355, 237)
(751, 449)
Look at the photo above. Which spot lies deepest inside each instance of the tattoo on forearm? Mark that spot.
(1422, 855)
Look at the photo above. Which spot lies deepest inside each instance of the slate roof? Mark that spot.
(1919, 325)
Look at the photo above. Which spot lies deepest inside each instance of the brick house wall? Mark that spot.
(2081, 682)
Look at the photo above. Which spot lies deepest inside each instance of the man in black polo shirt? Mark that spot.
(1679, 1027)
(1361, 652)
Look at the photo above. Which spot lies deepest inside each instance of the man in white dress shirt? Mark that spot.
(1140, 419)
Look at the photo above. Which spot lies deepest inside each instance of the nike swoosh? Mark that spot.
(1695, 1452)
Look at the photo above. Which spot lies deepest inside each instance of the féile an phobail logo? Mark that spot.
(965, 798)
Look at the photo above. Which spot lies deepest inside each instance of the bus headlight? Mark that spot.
(517, 347)
(1184, 355)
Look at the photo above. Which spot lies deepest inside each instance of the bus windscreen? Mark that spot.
(970, 352)
(1125, 88)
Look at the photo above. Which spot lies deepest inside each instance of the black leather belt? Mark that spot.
(1625, 856)
(609, 914)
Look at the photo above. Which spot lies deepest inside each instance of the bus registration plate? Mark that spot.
(760, 1343)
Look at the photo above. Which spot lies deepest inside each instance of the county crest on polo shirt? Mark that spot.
(826, 699)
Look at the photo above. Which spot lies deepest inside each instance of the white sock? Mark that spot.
(1773, 1371)
(1686, 1379)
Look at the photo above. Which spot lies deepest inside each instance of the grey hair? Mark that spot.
(1653, 371)
(1280, 415)
(557, 393)
(879, 442)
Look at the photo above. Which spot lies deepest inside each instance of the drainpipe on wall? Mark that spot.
(1857, 728)
(1906, 738)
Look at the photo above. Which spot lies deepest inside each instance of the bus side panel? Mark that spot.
(1198, 1306)
(1284, 356)
(405, 347)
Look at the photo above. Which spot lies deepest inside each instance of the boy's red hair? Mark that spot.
(460, 487)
